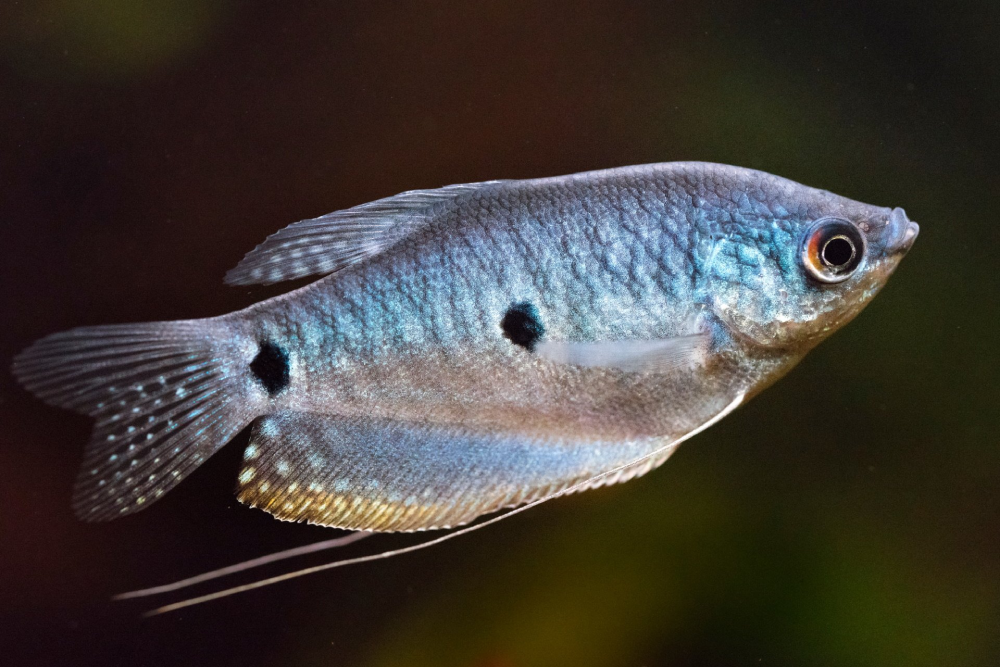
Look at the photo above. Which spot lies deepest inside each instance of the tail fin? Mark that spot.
(166, 396)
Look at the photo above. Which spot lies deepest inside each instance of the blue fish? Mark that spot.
(477, 346)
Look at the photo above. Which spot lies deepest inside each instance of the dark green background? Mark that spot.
(847, 516)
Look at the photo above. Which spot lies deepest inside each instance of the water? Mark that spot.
(846, 516)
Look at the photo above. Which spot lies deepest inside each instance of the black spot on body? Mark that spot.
(522, 326)
(270, 367)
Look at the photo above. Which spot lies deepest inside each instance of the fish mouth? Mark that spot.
(900, 232)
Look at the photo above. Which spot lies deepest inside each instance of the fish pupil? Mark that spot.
(838, 251)
(522, 326)
(270, 367)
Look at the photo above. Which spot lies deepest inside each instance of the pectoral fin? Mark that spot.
(382, 475)
(635, 356)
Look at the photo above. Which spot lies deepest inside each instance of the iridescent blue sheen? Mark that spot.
(664, 295)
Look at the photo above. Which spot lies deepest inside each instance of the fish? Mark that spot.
(475, 347)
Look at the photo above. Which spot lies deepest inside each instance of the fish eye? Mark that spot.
(832, 250)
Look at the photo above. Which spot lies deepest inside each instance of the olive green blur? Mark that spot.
(850, 515)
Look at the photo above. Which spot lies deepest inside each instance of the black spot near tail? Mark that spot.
(270, 367)
(522, 326)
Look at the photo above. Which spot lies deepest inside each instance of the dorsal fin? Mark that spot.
(384, 475)
(330, 242)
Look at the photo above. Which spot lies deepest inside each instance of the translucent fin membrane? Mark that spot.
(632, 356)
(385, 475)
(329, 243)
(163, 400)
(626, 469)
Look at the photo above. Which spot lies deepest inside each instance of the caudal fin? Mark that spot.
(165, 395)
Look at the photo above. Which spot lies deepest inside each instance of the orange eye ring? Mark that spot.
(832, 250)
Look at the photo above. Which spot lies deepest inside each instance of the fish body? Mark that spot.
(477, 346)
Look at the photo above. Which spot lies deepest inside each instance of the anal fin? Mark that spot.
(383, 475)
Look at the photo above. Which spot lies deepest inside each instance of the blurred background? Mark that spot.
(847, 516)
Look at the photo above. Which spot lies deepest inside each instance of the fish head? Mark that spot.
(789, 281)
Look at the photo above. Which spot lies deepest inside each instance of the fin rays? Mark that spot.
(616, 473)
(162, 397)
(329, 243)
(384, 475)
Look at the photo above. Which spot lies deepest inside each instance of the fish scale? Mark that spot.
(477, 346)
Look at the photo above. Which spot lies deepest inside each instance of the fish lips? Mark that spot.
(900, 232)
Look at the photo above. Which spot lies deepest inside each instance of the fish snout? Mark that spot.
(900, 232)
